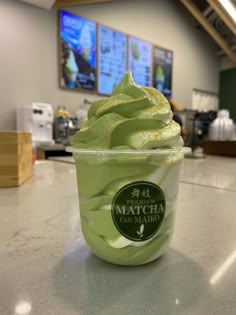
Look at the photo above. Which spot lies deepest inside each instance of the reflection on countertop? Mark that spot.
(212, 171)
(46, 267)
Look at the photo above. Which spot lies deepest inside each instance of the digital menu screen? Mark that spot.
(77, 52)
(162, 72)
(140, 61)
(111, 58)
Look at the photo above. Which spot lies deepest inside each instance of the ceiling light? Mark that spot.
(229, 7)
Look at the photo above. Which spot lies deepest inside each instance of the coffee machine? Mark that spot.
(37, 119)
(65, 126)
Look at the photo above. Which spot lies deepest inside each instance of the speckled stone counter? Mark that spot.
(46, 267)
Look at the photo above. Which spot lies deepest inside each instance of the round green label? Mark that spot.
(138, 210)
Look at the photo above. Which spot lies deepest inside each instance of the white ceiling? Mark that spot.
(46, 4)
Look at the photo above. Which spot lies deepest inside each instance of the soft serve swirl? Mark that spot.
(134, 117)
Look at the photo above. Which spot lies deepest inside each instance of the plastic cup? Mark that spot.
(127, 201)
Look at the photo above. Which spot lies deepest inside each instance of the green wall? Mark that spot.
(228, 91)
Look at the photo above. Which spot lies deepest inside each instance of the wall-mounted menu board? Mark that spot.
(111, 50)
(94, 57)
(162, 70)
(77, 43)
(140, 61)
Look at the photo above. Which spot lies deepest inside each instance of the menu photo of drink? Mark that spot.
(111, 50)
(162, 74)
(140, 61)
(77, 44)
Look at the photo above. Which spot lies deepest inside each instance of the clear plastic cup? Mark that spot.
(127, 201)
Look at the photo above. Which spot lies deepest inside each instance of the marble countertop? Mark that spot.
(46, 267)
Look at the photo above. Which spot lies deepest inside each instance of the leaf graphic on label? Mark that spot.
(141, 229)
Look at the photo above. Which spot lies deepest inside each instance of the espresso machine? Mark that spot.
(37, 119)
(65, 126)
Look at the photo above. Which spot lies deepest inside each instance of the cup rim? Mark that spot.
(174, 150)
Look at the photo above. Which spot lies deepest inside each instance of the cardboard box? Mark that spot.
(15, 158)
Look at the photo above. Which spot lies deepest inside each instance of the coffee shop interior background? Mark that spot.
(201, 70)
(29, 51)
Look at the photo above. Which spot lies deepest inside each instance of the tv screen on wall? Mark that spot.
(111, 58)
(162, 72)
(77, 45)
(140, 61)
